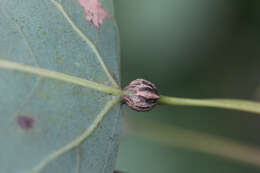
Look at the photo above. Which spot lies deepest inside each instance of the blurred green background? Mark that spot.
(198, 49)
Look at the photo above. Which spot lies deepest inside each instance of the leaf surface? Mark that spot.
(47, 125)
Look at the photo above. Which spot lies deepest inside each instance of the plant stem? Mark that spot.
(233, 104)
(59, 76)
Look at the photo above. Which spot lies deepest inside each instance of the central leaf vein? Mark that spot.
(59, 76)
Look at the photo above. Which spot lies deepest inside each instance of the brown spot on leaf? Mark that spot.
(25, 122)
(100, 126)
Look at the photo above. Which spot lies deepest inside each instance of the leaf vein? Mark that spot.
(86, 39)
(109, 148)
(78, 140)
(59, 76)
(78, 159)
(18, 27)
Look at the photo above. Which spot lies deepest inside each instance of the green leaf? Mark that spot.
(61, 123)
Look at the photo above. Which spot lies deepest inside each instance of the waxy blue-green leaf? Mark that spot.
(48, 125)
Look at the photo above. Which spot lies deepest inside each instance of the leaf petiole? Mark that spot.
(233, 104)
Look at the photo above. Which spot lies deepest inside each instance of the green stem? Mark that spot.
(233, 104)
(59, 76)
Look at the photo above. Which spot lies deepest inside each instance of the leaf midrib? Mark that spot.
(59, 76)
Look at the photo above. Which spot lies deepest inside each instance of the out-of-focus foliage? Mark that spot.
(199, 49)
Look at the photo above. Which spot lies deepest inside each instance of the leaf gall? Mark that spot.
(141, 96)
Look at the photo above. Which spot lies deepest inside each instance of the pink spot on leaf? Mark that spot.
(25, 122)
(94, 12)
